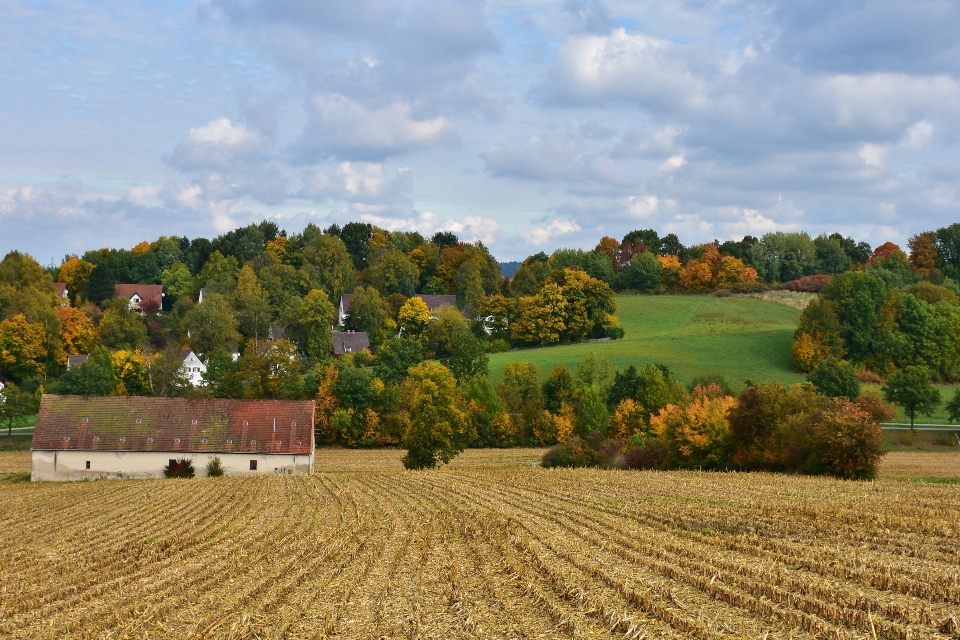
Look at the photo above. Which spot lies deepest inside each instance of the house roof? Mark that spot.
(77, 360)
(176, 425)
(277, 331)
(434, 301)
(345, 301)
(61, 288)
(350, 341)
(147, 292)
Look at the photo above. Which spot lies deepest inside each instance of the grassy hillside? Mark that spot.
(739, 337)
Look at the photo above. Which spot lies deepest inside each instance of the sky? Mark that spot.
(527, 125)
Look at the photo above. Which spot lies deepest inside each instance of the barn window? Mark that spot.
(245, 423)
(253, 465)
(138, 421)
(298, 442)
(96, 438)
(88, 464)
(66, 437)
(149, 439)
(204, 441)
(85, 420)
(123, 439)
(293, 424)
(229, 441)
(176, 439)
(253, 442)
(193, 421)
(278, 442)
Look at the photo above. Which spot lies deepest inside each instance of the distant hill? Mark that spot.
(509, 268)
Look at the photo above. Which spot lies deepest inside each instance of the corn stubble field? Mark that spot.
(488, 548)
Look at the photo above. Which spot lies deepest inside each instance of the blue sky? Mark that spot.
(527, 125)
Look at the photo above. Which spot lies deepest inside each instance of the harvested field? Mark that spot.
(921, 464)
(14, 461)
(480, 552)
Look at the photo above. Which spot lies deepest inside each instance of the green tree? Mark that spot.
(485, 411)
(252, 305)
(270, 371)
(16, 403)
(912, 389)
(644, 271)
(592, 414)
(219, 274)
(369, 312)
(520, 385)
(393, 272)
(559, 389)
(177, 281)
(94, 377)
(212, 325)
(468, 358)
(165, 372)
(395, 357)
(122, 327)
(308, 325)
(953, 407)
(447, 329)
(328, 256)
(437, 430)
(221, 378)
(836, 379)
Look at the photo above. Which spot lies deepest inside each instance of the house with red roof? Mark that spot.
(90, 437)
(141, 296)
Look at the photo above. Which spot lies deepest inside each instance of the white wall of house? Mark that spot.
(194, 369)
(72, 465)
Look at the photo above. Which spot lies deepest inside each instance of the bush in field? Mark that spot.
(575, 452)
(651, 454)
(844, 442)
(697, 435)
(809, 284)
(437, 429)
(215, 467)
(182, 468)
(836, 379)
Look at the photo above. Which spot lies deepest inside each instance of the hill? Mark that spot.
(740, 337)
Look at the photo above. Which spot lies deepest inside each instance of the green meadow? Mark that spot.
(742, 338)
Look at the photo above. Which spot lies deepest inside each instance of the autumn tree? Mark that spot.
(540, 317)
(75, 273)
(212, 325)
(329, 259)
(698, 434)
(308, 323)
(413, 318)
(122, 327)
(77, 333)
(437, 428)
(270, 370)
(23, 348)
(912, 389)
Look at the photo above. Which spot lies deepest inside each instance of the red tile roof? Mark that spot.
(181, 425)
(61, 288)
(146, 292)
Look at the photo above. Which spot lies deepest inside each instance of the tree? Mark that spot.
(368, 312)
(77, 333)
(836, 379)
(165, 373)
(437, 429)
(221, 377)
(953, 407)
(23, 348)
(270, 371)
(328, 256)
(100, 284)
(308, 325)
(177, 280)
(644, 271)
(592, 415)
(393, 272)
(697, 435)
(75, 273)
(559, 390)
(413, 318)
(252, 306)
(912, 389)
(468, 358)
(122, 327)
(212, 325)
(94, 377)
(520, 385)
(356, 237)
(540, 318)
(16, 403)
(219, 274)
(395, 357)
(447, 329)
(487, 414)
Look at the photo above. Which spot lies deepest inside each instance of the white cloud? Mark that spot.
(357, 181)
(642, 206)
(218, 145)
(622, 66)
(469, 229)
(340, 127)
(144, 196)
(541, 234)
(673, 163)
(872, 154)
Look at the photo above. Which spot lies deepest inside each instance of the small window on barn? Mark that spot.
(149, 439)
(96, 438)
(229, 441)
(253, 442)
(88, 464)
(278, 442)
(66, 437)
(85, 420)
(139, 421)
(293, 424)
(204, 441)
(176, 439)
(245, 423)
(123, 439)
(194, 421)
(253, 465)
(298, 442)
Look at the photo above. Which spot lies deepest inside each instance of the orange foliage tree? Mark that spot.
(77, 333)
(697, 435)
(23, 348)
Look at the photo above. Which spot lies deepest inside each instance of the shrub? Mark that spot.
(704, 380)
(809, 284)
(836, 379)
(698, 435)
(869, 377)
(498, 345)
(845, 442)
(652, 454)
(182, 468)
(575, 452)
(215, 467)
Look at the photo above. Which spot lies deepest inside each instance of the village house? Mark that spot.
(432, 302)
(88, 437)
(349, 342)
(61, 288)
(193, 367)
(141, 296)
(76, 360)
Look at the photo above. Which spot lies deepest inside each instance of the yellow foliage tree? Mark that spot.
(563, 422)
(413, 317)
(75, 273)
(327, 403)
(540, 317)
(77, 333)
(629, 419)
(23, 348)
(697, 435)
(130, 368)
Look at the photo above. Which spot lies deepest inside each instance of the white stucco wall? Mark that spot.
(71, 465)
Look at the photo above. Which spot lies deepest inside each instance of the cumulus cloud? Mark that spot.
(624, 67)
(469, 228)
(540, 233)
(342, 128)
(218, 145)
(358, 181)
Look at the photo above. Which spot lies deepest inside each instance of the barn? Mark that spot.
(90, 437)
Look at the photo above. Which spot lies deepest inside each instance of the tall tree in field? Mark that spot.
(16, 403)
(23, 348)
(437, 430)
(912, 389)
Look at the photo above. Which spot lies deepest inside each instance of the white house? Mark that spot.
(193, 367)
(90, 437)
(143, 297)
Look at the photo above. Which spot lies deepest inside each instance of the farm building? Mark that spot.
(87, 437)
(141, 296)
(349, 342)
